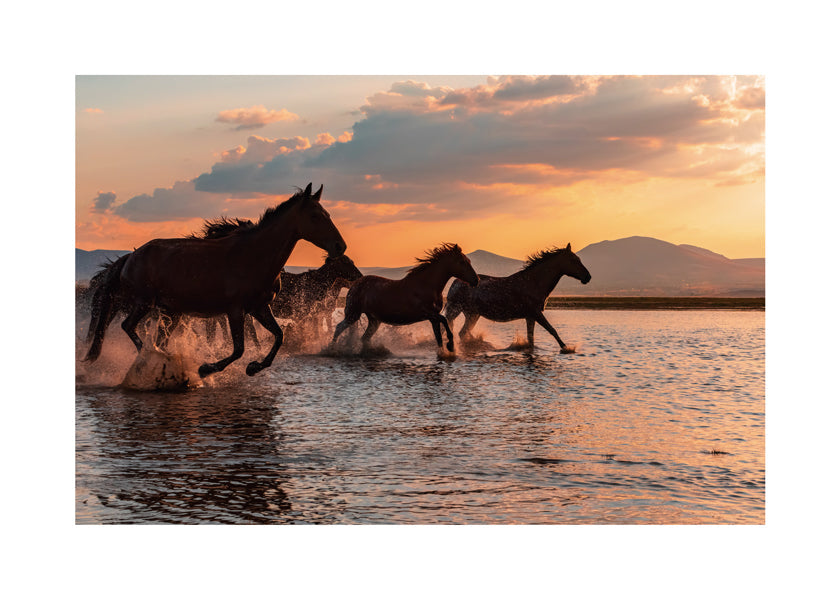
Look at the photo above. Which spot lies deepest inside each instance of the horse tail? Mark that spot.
(106, 287)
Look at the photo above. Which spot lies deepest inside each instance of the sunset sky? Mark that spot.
(509, 164)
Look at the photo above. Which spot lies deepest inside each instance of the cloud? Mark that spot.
(254, 117)
(485, 148)
(750, 98)
(94, 111)
(586, 124)
(179, 202)
(528, 88)
(103, 202)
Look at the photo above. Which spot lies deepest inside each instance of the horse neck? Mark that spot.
(434, 276)
(277, 241)
(545, 275)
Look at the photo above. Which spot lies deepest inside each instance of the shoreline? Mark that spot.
(653, 303)
(612, 302)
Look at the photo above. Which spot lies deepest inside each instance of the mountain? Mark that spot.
(88, 262)
(633, 266)
(643, 266)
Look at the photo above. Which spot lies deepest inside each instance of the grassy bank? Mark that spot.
(653, 303)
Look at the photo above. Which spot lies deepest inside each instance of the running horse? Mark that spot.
(303, 298)
(307, 297)
(233, 275)
(521, 295)
(416, 297)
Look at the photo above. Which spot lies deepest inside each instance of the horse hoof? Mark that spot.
(450, 345)
(253, 368)
(205, 370)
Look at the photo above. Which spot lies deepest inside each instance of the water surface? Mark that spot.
(657, 418)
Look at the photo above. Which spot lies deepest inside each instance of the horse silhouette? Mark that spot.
(521, 295)
(234, 275)
(416, 297)
(306, 298)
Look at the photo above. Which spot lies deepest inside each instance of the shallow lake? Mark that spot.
(658, 418)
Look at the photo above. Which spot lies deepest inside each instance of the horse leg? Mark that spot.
(372, 326)
(529, 325)
(436, 330)
(266, 319)
(237, 332)
(129, 324)
(348, 320)
(451, 312)
(540, 318)
(436, 322)
(470, 319)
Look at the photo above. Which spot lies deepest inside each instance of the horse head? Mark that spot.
(463, 269)
(315, 225)
(575, 268)
(342, 267)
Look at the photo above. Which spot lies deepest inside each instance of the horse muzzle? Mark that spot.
(337, 250)
(586, 279)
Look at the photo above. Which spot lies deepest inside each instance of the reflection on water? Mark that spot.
(658, 418)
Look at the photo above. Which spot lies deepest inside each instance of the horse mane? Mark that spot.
(224, 226)
(537, 258)
(273, 213)
(221, 227)
(435, 255)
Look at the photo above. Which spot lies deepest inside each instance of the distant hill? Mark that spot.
(88, 262)
(633, 266)
(643, 266)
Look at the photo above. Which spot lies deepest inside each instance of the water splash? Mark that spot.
(154, 370)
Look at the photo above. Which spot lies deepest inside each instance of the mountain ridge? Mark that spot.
(632, 266)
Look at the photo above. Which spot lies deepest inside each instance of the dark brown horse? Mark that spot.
(416, 297)
(233, 275)
(304, 298)
(120, 303)
(518, 296)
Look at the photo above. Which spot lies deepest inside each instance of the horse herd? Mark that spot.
(234, 269)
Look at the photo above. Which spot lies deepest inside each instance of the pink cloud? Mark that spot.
(254, 117)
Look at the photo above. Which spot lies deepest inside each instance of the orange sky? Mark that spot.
(505, 164)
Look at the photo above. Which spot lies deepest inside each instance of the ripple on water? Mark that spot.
(658, 418)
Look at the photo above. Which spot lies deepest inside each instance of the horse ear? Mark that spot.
(317, 196)
(569, 246)
(308, 190)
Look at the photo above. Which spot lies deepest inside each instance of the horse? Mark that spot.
(306, 297)
(212, 229)
(416, 297)
(233, 275)
(521, 295)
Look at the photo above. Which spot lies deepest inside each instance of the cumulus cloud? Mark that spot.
(179, 202)
(103, 202)
(528, 88)
(592, 124)
(750, 98)
(473, 150)
(254, 117)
